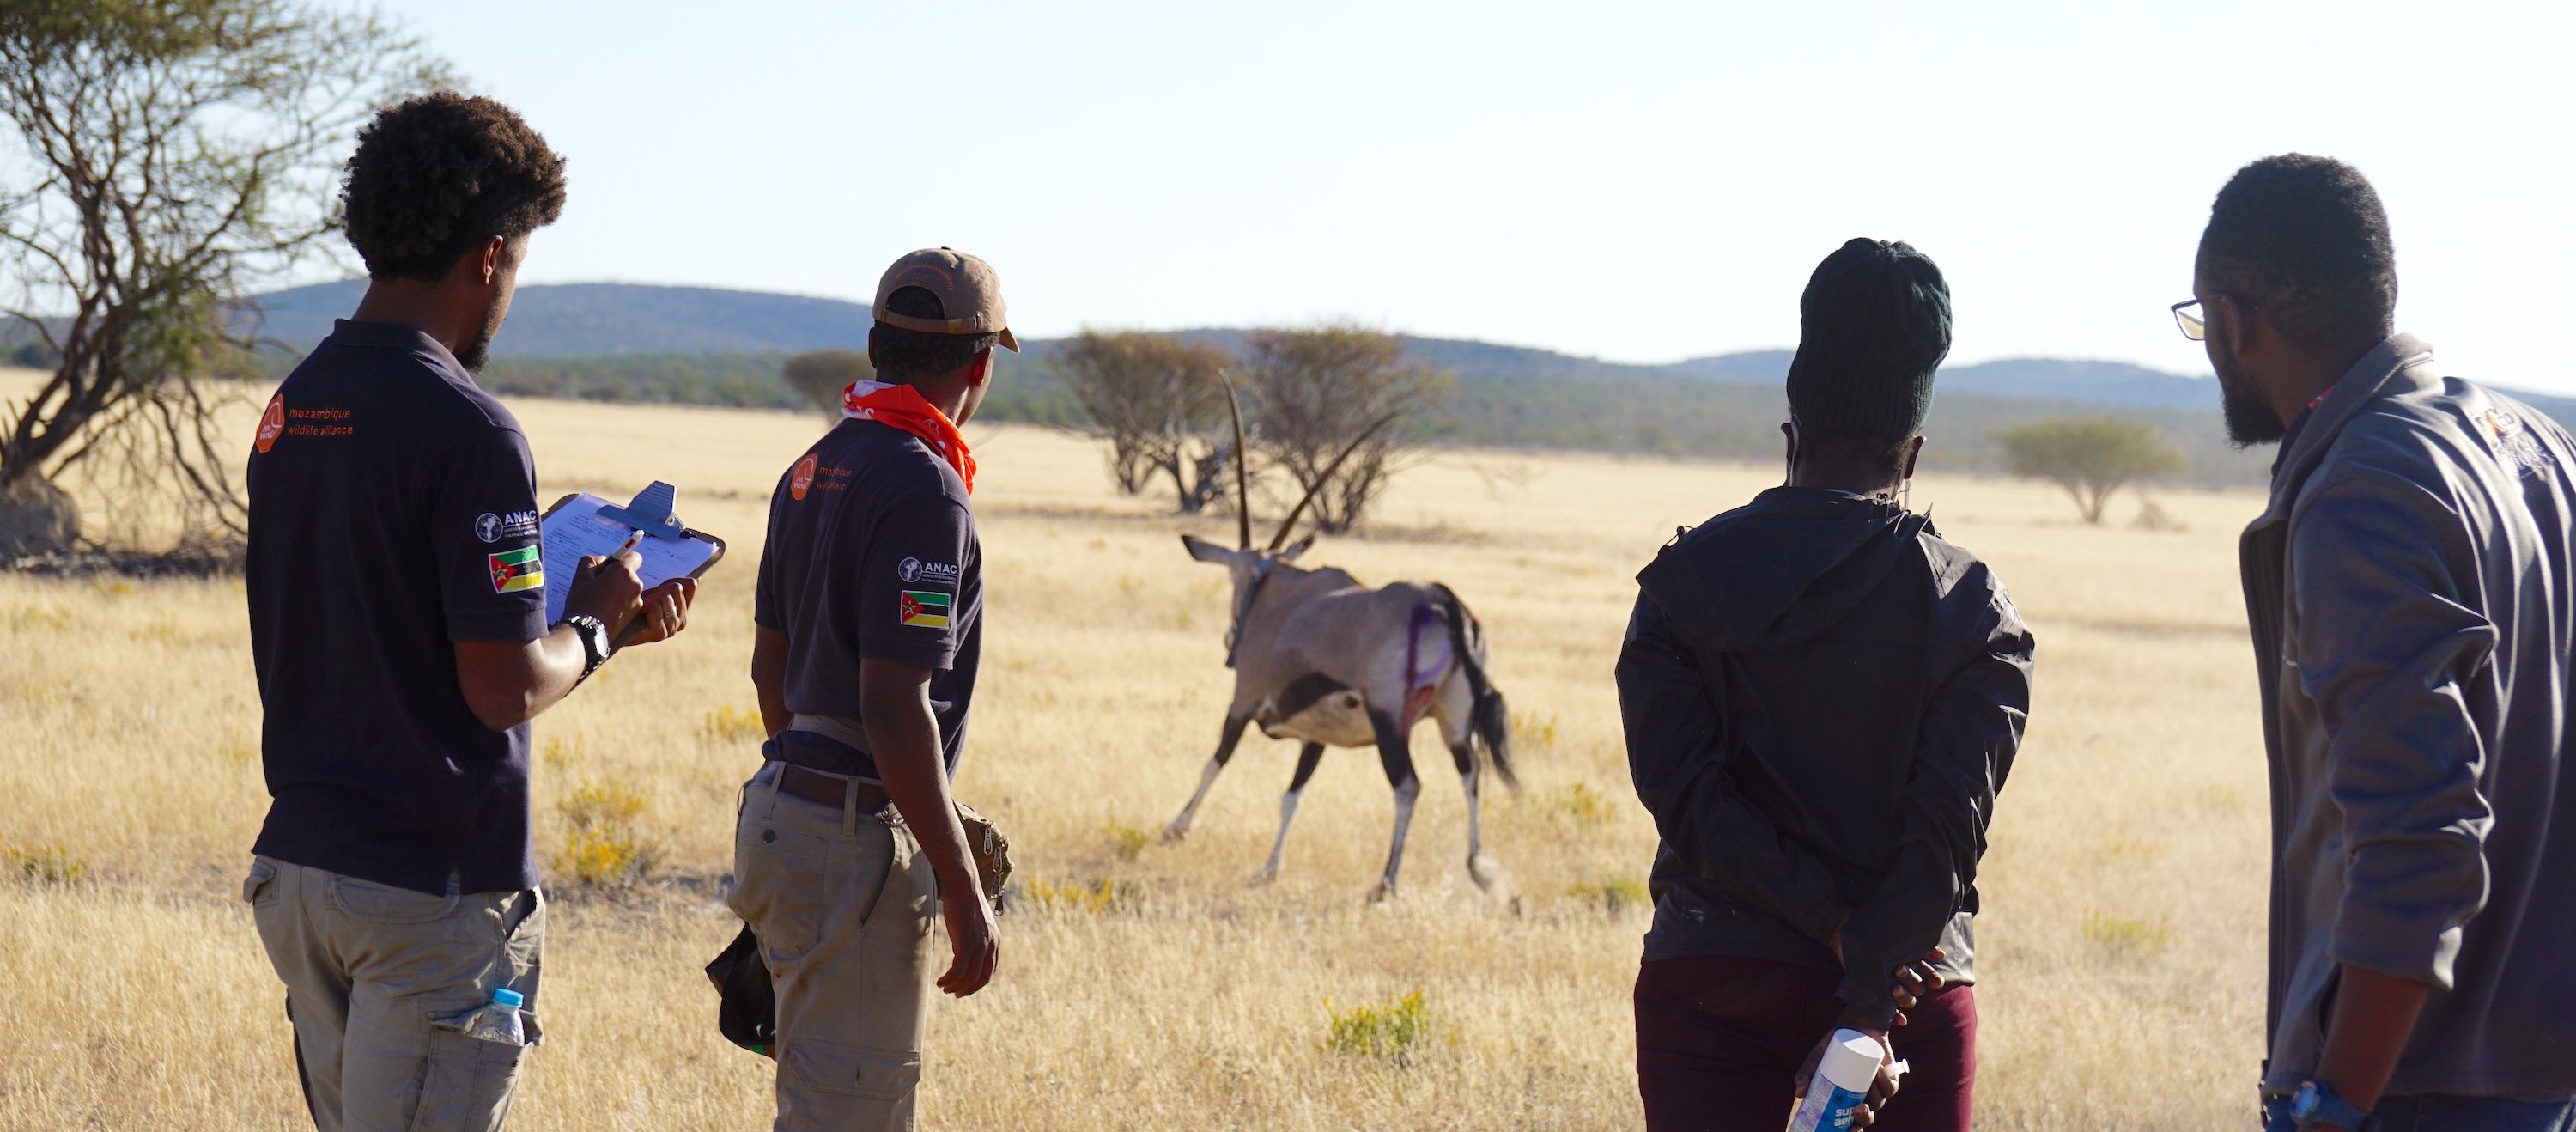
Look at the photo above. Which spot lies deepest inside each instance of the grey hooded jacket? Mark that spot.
(2409, 593)
(1822, 697)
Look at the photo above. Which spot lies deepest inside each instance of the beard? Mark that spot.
(478, 352)
(2249, 415)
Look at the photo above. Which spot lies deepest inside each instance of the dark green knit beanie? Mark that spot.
(1872, 327)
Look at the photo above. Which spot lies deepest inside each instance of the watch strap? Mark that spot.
(2317, 1104)
(594, 641)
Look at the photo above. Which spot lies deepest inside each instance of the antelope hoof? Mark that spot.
(1173, 833)
(1267, 874)
(1384, 891)
(1484, 870)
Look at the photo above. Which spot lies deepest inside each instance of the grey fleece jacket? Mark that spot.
(2409, 589)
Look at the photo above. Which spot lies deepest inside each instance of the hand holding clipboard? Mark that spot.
(659, 613)
(641, 549)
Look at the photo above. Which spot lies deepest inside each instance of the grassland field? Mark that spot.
(1145, 985)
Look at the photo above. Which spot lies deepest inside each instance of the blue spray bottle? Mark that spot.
(1841, 1084)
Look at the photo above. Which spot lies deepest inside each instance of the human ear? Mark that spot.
(2234, 324)
(495, 252)
(980, 370)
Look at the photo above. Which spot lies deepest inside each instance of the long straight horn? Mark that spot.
(1242, 458)
(1290, 523)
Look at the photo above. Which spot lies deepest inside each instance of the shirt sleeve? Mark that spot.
(1677, 747)
(765, 611)
(1971, 730)
(910, 571)
(2387, 644)
(484, 537)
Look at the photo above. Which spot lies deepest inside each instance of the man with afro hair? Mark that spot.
(397, 599)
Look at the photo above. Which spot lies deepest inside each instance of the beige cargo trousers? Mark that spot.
(379, 983)
(843, 902)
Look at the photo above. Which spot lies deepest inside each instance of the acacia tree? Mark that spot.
(2090, 457)
(821, 375)
(1321, 389)
(169, 158)
(1160, 401)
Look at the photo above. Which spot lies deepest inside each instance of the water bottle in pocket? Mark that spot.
(498, 1020)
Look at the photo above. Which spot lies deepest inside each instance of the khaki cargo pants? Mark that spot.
(379, 981)
(843, 902)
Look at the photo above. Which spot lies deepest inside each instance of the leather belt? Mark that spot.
(830, 789)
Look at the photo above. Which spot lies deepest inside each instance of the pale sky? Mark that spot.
(1636, 182)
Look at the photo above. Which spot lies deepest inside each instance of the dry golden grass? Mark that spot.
(1150, 987)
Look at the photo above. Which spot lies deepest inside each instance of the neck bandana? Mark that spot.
(903, 407)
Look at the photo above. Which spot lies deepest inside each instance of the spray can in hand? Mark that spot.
(1841, 1084)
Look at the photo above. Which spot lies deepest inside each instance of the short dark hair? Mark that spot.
(1877, 454)
(438, 174)
(902, 355)
(2305, 240)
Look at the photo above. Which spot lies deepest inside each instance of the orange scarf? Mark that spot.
(903, 407)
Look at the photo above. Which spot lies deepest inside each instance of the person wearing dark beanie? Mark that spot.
(1873, 326)
(1822, 697)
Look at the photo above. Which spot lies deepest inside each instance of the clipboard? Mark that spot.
(582, 524)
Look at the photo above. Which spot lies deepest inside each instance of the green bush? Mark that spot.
(50, 864)
(2090, 457)
(1392, 1032)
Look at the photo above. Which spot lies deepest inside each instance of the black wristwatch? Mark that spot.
(595, 645)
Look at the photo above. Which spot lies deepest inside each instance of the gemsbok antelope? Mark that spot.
(1320, 658)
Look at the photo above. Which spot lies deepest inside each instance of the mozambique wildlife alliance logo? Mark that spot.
(516, 524)
(801, 480)
(926, 609)
(272, 423)
(515, 570)
(2515, 445)
(912, 570)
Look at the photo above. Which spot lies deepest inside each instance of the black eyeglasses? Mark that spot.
(2189, 315)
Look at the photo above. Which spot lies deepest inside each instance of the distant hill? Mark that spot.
(562, 320)
(700, 345)
(608, 319)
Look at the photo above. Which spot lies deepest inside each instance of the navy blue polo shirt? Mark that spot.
(393, 512)
(871, 553)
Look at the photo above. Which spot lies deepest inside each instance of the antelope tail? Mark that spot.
(1491, 719)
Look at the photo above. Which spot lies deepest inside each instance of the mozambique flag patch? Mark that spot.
(926, 609)
(515, 570)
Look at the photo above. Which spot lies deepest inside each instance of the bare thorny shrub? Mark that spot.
(169, 158)
(1319, 389)
(1160, 402)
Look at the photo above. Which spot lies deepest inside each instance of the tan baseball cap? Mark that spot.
(968, 290)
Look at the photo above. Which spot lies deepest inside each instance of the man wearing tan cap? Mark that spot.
(869, 610)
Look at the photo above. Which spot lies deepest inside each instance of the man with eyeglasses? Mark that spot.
(2409, 593)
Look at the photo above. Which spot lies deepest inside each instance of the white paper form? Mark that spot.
(577, 529)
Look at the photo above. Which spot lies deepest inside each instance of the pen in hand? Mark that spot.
(636, 627)
(632, 541)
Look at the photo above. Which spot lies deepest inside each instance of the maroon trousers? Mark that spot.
(1720, 1039)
